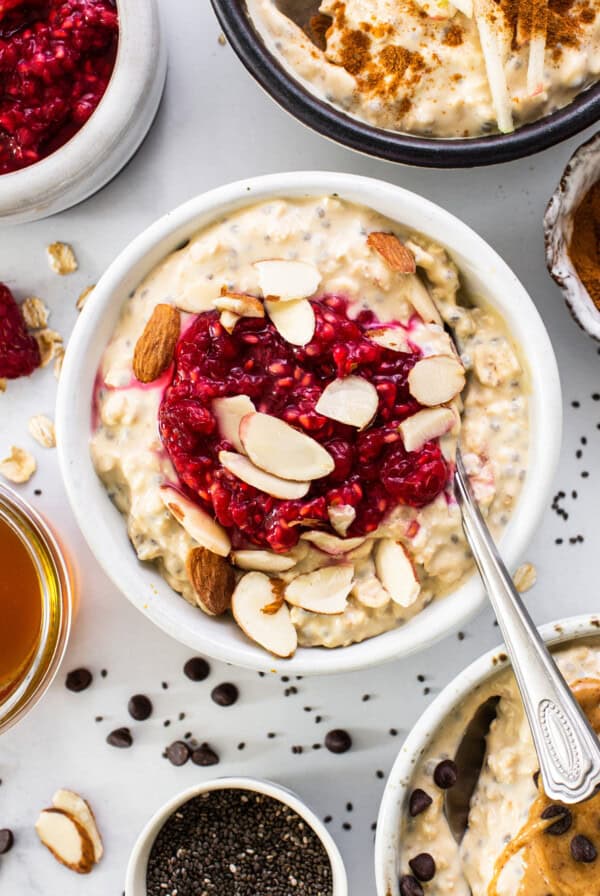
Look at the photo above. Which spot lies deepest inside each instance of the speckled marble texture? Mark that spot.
(215, 126)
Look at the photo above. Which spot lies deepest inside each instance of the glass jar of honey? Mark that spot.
(36, 606)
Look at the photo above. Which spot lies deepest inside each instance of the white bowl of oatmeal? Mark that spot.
(511, 846)
(315, 533)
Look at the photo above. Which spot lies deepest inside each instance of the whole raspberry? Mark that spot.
(19, 352)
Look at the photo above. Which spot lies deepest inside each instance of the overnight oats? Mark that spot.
(439, 68)
(517, 841)
(276, 416)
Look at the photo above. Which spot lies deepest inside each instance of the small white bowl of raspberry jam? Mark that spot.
(81, 83)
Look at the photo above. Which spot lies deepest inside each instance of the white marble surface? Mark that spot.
(215, 125)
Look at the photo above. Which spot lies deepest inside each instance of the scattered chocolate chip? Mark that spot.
(410, 886)
(583, 850)
(565, 819)
(418, 802)
(204, 755)
(120, 737)
(78, 680)
(196, 669)
(423, 867)
(139, 707)
(225, 694)
(445, 774)
(338, 741)
(6, 841)
(178, 753)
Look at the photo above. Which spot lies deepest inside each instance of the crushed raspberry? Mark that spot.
(373, 472)
(56, 59)
(19, 352)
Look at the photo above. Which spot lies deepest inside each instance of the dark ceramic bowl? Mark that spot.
(332, 122)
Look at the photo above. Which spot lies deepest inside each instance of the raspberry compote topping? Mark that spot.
(19, 352)
(56, 59)
(373, 472)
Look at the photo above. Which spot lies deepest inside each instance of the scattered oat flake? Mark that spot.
(222, 40)
(50, 344)
(525, 577)
(83, 296)
(62, 258)
(41, 428)
(58, 362)
(35, 313)
(19, 466)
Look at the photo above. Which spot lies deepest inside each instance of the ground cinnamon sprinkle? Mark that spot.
(585, 243)
(454, 36)
(354, 51)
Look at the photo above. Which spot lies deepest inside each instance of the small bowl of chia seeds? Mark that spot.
(235, 835)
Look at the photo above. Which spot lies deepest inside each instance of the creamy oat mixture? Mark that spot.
(433, 68)
(506, 802)
(330, 235)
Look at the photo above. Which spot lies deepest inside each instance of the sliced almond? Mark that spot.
(74, 805)
(367, 589)
(394, 253)
(396, 572)
(155, 348)
(286, 280)
(423, 426)
(330, 544)
(294, 321)
(341, 517)
(66, 839)
(244, 469)
(422, 302)
(352, 400)
(228, 320)
(262, 561)
(436, 380)
(241, 304)
(213, 579)
(252, 605)
(279, 449)
(323, 591)
(393, 338)
(229, 413)
(198, 524)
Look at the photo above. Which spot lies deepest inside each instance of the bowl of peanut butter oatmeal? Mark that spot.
(431, 83)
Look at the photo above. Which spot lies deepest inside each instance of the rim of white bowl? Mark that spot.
(102, 525)
(491, 663)
(140, 854)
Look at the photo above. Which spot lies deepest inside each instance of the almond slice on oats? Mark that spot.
(436, 380)
(279, 449)
(394, 338)
(330, 544)
(283, 280)
(396, 572)
(241, 304)
(244, 469)
(74, 805)
(229, 413)
(155, 348)
(198, 524)
(323, 591)
(422, 302)
(394, 253)
(423, 426)
(262, 615)
(213, 579)
(367, 589)
(294, 321)
(262, 561)
(228, 320)
(66, 839)
(351, 400)
(341, 517)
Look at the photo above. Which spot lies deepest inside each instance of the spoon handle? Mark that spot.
(567, 747)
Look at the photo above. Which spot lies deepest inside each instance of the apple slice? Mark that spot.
(198, 524)
(66, 839)
(341, 517)
(323, 591)
(229, 413)
(396, 572)
(352, 400)
(332, 545)
(422, 302)
(262, 561)
(393, 338)
(253, 605)
(426, 425)
(241, 304)
(294, 321)
(244, 469)
(284, 280)
(279, 449)
(74, 805)
(436, 380)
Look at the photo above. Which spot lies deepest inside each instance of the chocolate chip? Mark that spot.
(418, 802)
(225, 694)
(78, 680)
(120, 737)
(410, 886)
(139, 707)
(446, 774)
(178, 753)
(583, 850)
(338, 741)
(6, 841)
(423, 867)
(196, 669)
(204, 755)
(565, 819)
